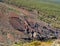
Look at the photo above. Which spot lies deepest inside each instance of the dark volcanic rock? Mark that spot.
(34, 30)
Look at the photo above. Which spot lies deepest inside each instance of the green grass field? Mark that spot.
(50, 11)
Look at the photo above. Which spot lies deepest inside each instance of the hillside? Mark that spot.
(23, 20)
(48, 11)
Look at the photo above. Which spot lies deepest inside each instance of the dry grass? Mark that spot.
(38, 43)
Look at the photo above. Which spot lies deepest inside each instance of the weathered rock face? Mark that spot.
(34, 30)
(14, 27)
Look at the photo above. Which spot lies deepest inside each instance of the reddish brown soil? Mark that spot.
(12, 14)
(1, 14)
(13, 24)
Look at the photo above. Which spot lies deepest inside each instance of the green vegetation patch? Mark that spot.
(33, 43)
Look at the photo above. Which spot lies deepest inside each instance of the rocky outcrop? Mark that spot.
(34, 30)
(14, 27)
